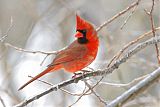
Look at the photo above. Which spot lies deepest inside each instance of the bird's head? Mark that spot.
(84, 30)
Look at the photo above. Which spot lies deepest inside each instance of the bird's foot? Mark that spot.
(77, 75)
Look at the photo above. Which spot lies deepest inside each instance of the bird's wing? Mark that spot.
(69, 54)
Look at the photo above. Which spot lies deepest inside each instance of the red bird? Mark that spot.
(78, 54)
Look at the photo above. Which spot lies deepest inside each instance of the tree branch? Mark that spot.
(150, 14)
(106, 71)
(8, 30)
(135, 90)
(29, 51)
(118, 15)
(1, 100)
(126, 85)
(117, 55)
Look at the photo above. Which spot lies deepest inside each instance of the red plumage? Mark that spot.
(78, 54)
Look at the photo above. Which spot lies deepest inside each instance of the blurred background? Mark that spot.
(48, 25)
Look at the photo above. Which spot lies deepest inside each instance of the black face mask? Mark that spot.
(82, 40)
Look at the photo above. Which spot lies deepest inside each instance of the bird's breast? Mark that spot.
(85, 59)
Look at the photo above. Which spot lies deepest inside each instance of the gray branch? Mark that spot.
(106, 71)
(132, 92)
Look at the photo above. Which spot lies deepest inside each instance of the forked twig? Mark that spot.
(117, 55)
(96, 94)
(150, 14)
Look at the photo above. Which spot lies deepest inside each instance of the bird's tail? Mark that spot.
(49, 69)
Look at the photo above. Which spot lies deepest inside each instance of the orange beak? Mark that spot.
(78, 35)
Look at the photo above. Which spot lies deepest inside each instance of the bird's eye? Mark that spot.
(84, 31)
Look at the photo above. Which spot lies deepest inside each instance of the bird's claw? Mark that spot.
(76, 75)
(80, 73)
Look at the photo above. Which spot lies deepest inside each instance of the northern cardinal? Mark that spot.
(79, 54)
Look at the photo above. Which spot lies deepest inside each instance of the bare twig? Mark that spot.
(50, 84)
(106, 71)
(150, 14)
(96, 94)
(1, 100)
(127, 85)
(117, 55)
(45, 59)
(33, 52)
(45, 82)
(118, 15)
(84, 93)
(8, 30)
(135, 90)
(76, 94)
(125, 22)
(29, 51)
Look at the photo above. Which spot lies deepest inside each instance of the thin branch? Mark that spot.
(96, 94)
(50, 84)
(125, 22)
(8, 30)
(33, 52)
(127, 85)
(117, 15)
(75, 94)
(1, 100)
(118, 54)
(135, 90)
(45, 59)
(84, 93)
(153, 31)
(150, 14)
(42, 81)
(106, 71)
(29, 51)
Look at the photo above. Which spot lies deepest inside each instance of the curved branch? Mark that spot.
(92, 74)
